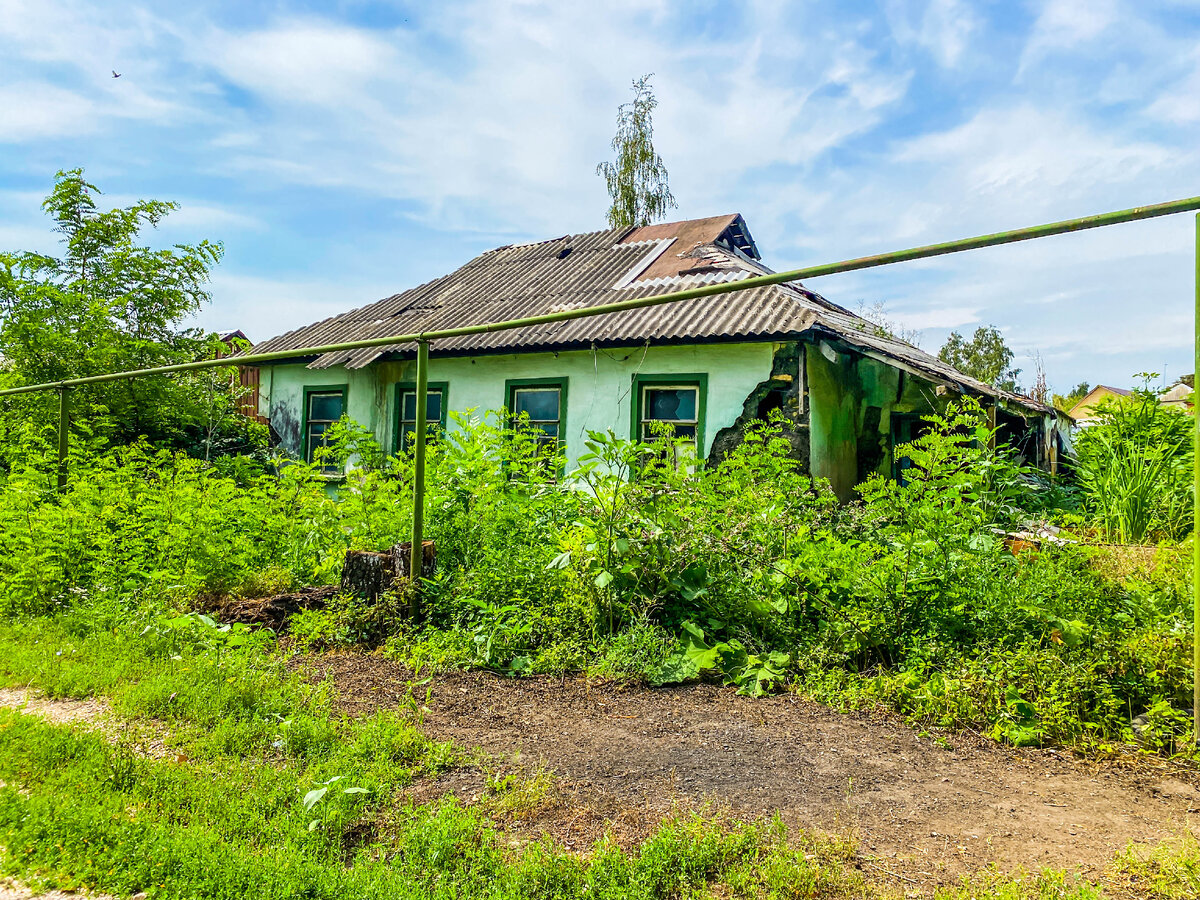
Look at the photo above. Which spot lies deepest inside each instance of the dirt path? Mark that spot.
(144, 737)
(626, 758)
(14, 890)
(60, 712)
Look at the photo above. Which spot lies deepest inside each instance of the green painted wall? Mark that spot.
(851, 401)
(598, 394)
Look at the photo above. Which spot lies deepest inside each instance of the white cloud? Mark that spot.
(510, 137)
(196, 216)
(57, 59)
(946, 317)
(943, 28)
(1019, 153)
(310, 63)
(1065, 24)
(264, 307)
(1179, 101)
(192, 215)
(16, 238)
(34, 111)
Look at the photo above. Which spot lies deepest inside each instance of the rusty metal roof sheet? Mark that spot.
(576, 271)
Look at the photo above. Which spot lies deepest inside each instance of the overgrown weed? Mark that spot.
(628, 569)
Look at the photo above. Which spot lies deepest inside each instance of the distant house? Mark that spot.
(704, 368)
(1178, 396)
(247, 376)
(1085, 412)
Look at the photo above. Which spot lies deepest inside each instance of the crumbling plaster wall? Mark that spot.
(366, 398)
(782, 397)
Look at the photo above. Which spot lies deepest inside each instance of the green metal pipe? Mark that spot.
(850, 265)
(64, 434)
(1196, 514)
(418, 515)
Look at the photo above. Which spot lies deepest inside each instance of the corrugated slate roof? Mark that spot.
(577, 271)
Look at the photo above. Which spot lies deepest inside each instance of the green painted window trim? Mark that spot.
(401, 387)
(560, 383)
(344, 389)
(684, 379)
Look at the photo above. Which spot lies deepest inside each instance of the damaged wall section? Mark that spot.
(782, 397)
(857, 407)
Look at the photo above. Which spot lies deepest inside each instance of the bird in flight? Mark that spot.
(116, 74)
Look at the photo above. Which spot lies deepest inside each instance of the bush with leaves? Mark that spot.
(1134, 468)
(113, 302)
(745, 572)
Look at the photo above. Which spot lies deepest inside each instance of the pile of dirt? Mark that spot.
(927, 808)
(272, 612)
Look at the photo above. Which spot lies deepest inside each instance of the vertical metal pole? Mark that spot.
(1196, 509)
(418, 522)
(64, 422)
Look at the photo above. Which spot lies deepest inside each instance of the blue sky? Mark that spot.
(345, 151)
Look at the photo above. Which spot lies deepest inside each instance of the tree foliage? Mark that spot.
(637, 179)
(109, 303)
(985, 356)
(1066, 401)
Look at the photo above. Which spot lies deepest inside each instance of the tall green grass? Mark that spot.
(1134, 470)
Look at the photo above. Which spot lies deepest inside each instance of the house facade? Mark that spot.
(701, 368)
(1086, 411)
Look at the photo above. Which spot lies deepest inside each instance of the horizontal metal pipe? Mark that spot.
(849, 265)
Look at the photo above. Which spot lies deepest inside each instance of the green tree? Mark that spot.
(1077, 393)
(637, 179)
(985, 357)
(109, 303)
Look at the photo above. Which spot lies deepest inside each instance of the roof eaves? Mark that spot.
(916, 361)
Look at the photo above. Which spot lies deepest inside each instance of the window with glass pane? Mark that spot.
(324, 408)
(408, 414)
(543, 406)
(673, 409)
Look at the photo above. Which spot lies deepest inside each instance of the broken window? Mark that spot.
(406, 412)
(671, 411)
(539, 407)
(322, 407)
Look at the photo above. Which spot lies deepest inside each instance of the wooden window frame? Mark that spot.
(306, 450)
(512, 385)
(697, 380)
(405, 387)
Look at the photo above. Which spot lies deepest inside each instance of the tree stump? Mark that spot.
(403, 552)
(370, 574)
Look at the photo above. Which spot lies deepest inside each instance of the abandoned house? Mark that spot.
(703, 368)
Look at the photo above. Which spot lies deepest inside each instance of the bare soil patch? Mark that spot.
(625, 758)
(60, 712)
(144, 738)
(14, 890)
